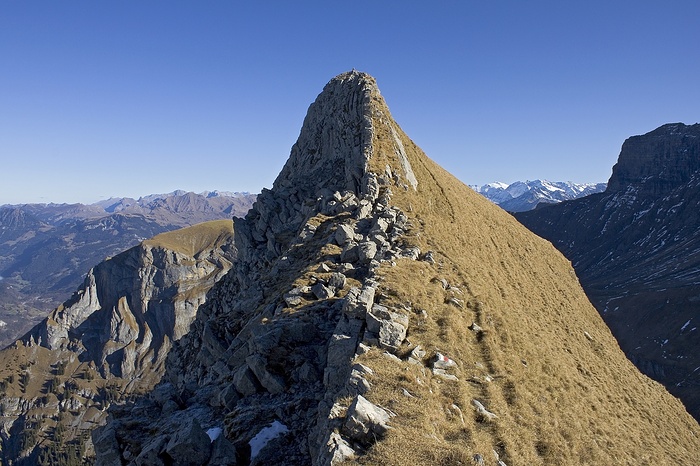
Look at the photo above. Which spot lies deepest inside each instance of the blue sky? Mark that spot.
(129, 98)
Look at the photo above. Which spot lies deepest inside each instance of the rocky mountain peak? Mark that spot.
(381, 311)
(658, 161)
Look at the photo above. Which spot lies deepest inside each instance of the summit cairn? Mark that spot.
(362, 263)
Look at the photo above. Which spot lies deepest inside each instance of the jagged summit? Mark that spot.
(658, 161)
(382, 312)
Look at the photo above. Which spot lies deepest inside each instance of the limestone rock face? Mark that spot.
(111, 339)
(326, 324)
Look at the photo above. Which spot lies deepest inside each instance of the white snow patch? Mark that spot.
(686, 324)
(266, 434)
(214, 433)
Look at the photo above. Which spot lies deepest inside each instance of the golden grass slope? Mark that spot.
(193, 240)
(545, 364)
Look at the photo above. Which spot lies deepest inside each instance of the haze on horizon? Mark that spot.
(135, 98)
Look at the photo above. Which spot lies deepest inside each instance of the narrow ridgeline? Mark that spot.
(381, 312)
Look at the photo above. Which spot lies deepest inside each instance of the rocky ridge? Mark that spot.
(636, 248)
(109, 341)
(380, 312)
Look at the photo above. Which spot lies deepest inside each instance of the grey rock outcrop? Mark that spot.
(111, 340)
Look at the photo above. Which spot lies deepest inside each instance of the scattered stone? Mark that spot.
(244, 381)
(390, 326)
(442, 373)
(482, 412)
(321, 291)
(443, 362)
(293, 297)
(406, 393)
(337, 281)
(410, 253)
(323, 268)
(429, 257)
(474, 327)
(455, 302)
(363, 349)
(459, 412)
(350, 253)
(307, 232)
(418, 352)
(391, 356)
(588, 335)
(357, 384)
(478, 460)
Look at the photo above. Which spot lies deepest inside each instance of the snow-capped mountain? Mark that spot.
(523, 196)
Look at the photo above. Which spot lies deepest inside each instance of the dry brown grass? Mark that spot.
(561, 398)
(192, 240)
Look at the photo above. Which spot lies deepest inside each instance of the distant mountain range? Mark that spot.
(522, 196)
(46, 249)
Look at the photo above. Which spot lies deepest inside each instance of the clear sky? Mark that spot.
(129, 98)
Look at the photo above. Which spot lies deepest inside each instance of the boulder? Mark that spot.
(244, 381)
(190, 446)
(223, 453)
(365, 422)
(270, 382)
(358, 301)
(150, 455)
(344, 234)
(366, 251)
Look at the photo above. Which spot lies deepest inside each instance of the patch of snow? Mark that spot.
(214, 433)
(686, 324)
(266, 434)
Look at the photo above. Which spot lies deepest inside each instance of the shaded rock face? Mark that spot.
(659, 161)
(635, 248)
(358, 268)
(109, 341)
